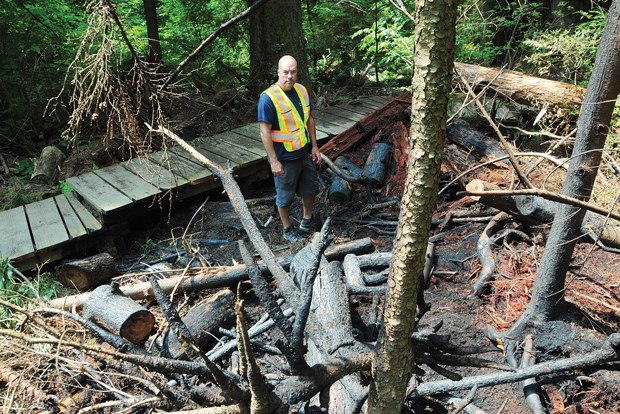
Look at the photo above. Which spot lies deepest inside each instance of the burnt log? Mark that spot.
(203, 321)
(46, 169)
(376, 164)
(340, 189)
(521, 88)
(470, 138)
(536, 210)
(84, 274)
(395, 110)
(330, 307)
(108, 307)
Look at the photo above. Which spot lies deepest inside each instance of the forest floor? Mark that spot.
(592, 284)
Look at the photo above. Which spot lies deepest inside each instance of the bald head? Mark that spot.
(287, 72)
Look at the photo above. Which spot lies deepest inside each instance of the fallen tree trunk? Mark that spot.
(537, 210)
(522, 88)
(46, 168)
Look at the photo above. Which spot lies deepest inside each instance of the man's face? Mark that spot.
(287, 74)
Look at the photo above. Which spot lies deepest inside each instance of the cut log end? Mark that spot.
(138, 326)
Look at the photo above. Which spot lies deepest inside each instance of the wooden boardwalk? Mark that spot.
(104, 200)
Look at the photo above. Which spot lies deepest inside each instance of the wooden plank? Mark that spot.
(340, 113)
(335, 120)
(379, 100)
(204, 149)
(102, 196)
(354, 107)
(88, 220)
(243, 142)
(154, 174)
(15, 241)
(180, 165)
(329, 128)
(250, 130)
(226, 149)
(73, 224)
(48, 229)
(128, 183)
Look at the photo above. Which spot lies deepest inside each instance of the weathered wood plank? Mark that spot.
(73, 224)
(15, 241)
(328, 128)
(180, 165)
(243, 142)
(86, 217)
(226, 149)
(251, 130)
(99, 194)
(128, 183)
(46, 225)
(354, 107)
(155, 174)
(340, 113)
(379, 100)
(207, 151)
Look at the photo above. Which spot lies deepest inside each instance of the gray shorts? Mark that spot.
(299, 178)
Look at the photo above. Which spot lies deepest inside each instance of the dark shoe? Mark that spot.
(292, 236)
(307, 225)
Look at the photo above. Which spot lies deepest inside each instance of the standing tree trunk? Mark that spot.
(275, 30)
(548, 299)
(152, 28)
(433, 62)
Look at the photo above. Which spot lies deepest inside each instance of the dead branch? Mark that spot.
(530, 388)
(608, 353)
(486, 254)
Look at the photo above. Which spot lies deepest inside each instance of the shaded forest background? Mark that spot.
(352, 48)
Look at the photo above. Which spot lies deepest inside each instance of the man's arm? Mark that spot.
(265, 136)
(314, 153)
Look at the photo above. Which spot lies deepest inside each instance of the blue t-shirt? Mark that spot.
(267, 113)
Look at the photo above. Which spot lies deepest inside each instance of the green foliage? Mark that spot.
(25, 168)
(37, 46)
(568, 54)
(20, 291)
(65, 187)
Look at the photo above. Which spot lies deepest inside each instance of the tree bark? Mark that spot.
(521, 88)
(46, 167)
(548, 299)
(433, 63)
(152, 29)
(108, 307)
(271, 37)
(84, 274)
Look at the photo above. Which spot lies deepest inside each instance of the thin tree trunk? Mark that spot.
(433, 62)
(592, 127)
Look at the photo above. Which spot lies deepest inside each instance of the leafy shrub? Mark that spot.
(568, 54)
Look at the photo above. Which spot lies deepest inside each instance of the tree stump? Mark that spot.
(108, 307)
(46, 167)
(84, 274)
(203, 321)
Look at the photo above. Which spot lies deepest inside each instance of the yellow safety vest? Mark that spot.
(292, 131)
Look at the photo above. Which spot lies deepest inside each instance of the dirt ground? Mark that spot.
(211, 232)
(592, 288)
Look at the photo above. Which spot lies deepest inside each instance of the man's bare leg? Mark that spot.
(308, 205)
(285, 216)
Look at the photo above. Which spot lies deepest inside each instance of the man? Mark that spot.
(288, 133)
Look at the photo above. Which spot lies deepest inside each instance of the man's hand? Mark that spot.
(316, 155)
(276, 168)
